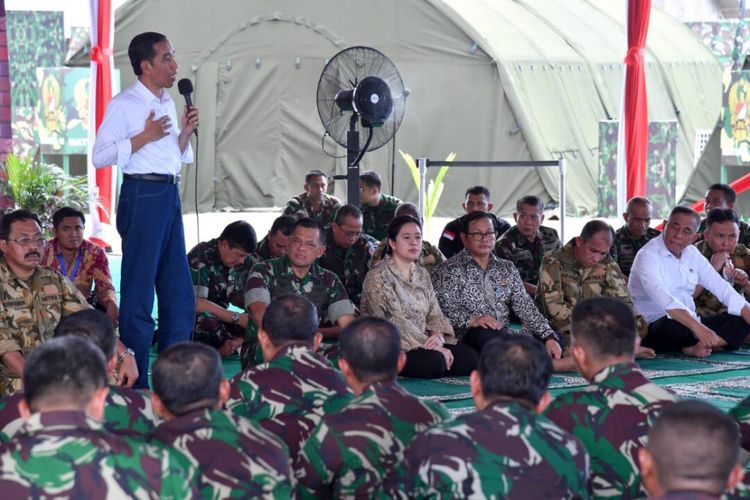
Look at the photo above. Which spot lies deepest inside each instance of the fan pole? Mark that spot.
(352, 170)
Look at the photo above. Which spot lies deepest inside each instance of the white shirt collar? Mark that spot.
(147, 96)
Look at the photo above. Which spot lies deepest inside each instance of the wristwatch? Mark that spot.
(126, 352)
(235, 317)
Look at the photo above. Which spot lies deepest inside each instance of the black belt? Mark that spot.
(169, 179)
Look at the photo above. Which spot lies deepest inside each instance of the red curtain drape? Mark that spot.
(636, 103)
(101, 57)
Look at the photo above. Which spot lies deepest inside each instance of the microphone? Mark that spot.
(185, 87)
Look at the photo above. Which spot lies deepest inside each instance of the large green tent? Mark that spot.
(489, 80)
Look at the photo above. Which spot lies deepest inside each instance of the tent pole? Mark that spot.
(561, 194)
(422, 165)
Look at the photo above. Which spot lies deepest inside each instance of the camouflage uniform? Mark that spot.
(706, 303)
(237, 459)
(524, 254)
(127, 412)
(741, 414)
(301, 207)
(221, 285)
(626, 246)
(289, 395)
(349, 264)
(351, 451)
(262, 251)
(376, 219)
(563, 282)
(503, 451)
(65, 454)
(30, 311)
(744, 236)
(430, 258)
(612, 417)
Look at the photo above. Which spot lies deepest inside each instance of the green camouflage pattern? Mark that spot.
(706, 303)
(288, 395)
(300, 207)
(742, 239)
(349, 264)
(727, 39)
(351, 451)
(66, 454)
(430, 258)
(527, 255)
(626, 246)
(612, 417)
(563, 282)
(127, 412)
(262, 251)
(503, 451)
(236, 457)
(741, 414)
(222, 285)
(376, 218)
(30, 312)
(661, 167)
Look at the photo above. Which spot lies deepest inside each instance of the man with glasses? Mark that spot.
(526, 243)
(348, 250)
(477, 291)
(32, 298)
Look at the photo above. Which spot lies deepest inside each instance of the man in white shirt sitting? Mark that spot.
(662, 282)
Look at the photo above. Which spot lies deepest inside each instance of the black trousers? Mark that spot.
(476, 336)
(667, 335)
(428, 363)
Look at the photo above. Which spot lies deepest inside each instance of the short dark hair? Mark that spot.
(407, 208)
(395, 226)
(477, 190)
(594, 227)
(637, 200)
(695, 441)
(240, 234)
(90, 324)
(20, 215)
(141, 49)
(63, 371)
(314, 173)
(370, 178)
(604, 325)
(730, 195)
(680, 210)
(720, 215)
(290, 318)
(530, 200)
(474, 216)
(372, 347)
(186, 376)
(310, 223)
(515, 366)
(345, 211)
(65, 212)
(283, 223)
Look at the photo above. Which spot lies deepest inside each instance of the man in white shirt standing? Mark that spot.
(662, 282)
(140, 134)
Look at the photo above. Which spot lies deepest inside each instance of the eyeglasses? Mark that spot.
(482, 236)
(28, 242)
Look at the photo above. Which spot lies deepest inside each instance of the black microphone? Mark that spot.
(185, 87)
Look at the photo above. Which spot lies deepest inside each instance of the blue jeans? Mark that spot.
(149, 220)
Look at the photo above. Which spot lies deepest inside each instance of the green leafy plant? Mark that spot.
(435, 186)
(44, 188)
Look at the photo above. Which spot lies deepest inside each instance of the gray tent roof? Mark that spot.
(489, 80)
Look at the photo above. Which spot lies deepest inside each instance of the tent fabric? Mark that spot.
(489, 80)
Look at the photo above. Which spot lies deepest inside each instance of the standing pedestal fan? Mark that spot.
(360, 88)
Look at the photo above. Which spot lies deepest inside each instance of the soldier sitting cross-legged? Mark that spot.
(62, 451)
(351, 451)
(504, 450)
(235, 456)
(612, 415)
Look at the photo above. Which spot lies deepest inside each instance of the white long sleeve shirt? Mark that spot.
(126, 117)
(659, 281)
